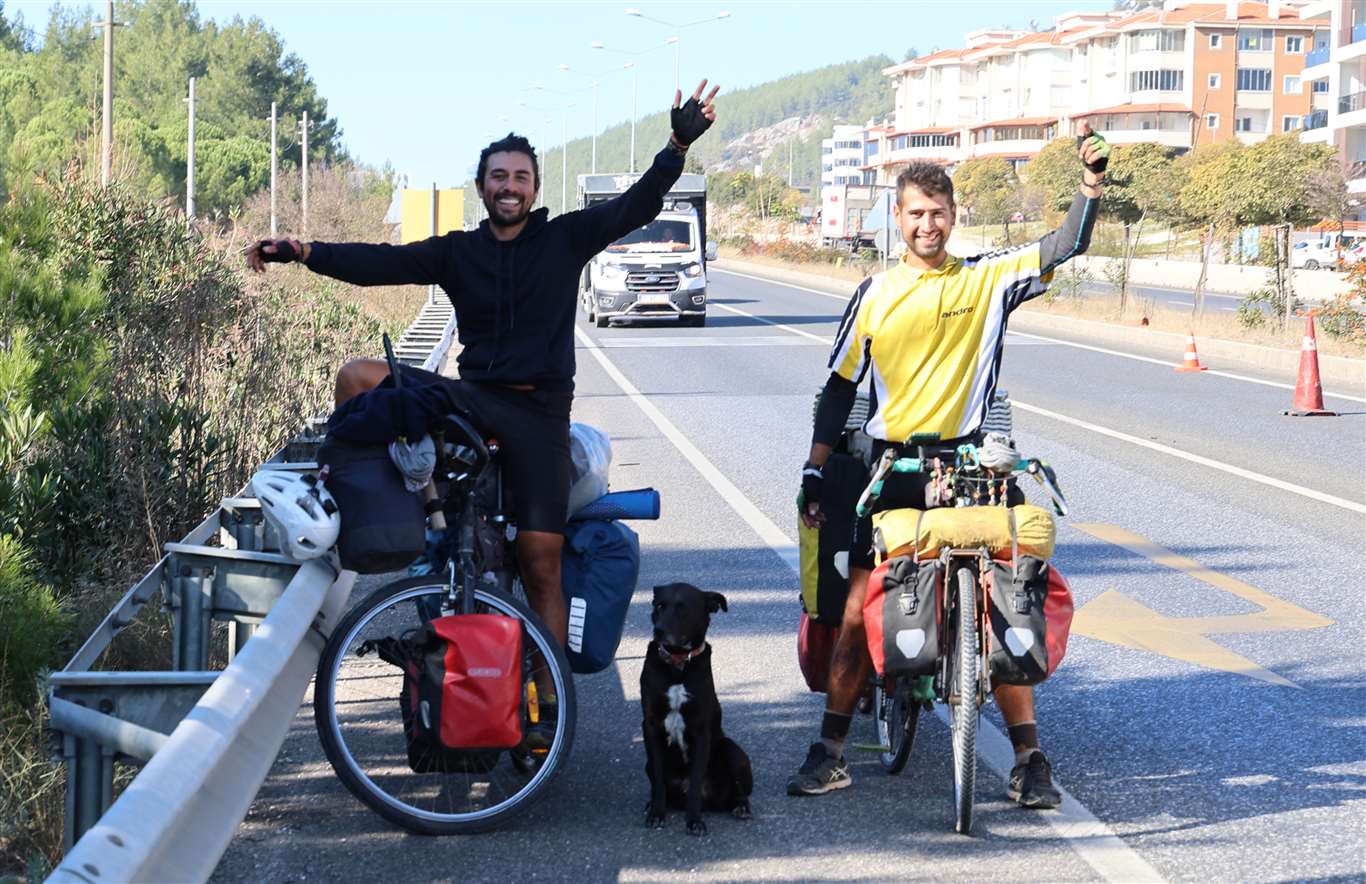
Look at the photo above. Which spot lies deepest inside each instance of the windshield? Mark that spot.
(657, 236)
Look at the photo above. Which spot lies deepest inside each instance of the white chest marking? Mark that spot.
(673, 722)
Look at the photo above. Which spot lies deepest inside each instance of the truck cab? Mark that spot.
(657, 271)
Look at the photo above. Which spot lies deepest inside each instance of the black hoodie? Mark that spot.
(514, 301)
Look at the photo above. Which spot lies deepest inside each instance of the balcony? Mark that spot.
(1358, 33)
(1353, 102)
(1317, 57)
(1316, 120)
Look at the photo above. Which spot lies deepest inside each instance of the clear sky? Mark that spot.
(424, 85)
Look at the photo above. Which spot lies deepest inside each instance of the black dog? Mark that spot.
(691, 763)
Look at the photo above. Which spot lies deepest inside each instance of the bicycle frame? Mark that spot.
(950, 560)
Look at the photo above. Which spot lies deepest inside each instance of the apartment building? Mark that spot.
(1184, 74)
(1335, 75)
(842, 156)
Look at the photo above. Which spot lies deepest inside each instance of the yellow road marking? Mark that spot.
(1115, 618)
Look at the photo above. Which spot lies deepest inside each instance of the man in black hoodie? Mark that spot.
(514, 284)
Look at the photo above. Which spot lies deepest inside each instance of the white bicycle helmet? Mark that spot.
(301, 511)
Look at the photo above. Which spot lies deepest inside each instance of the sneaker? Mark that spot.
(819, 773)
(1031, 783)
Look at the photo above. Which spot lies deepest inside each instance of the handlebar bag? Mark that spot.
(1031, 616)
(461, 700)
(383, 525)
(599, 567)
(824, 580)
(901, 616)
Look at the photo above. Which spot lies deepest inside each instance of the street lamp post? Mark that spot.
(189, 164)
(634, 76)
(564, 157)
(675, 41)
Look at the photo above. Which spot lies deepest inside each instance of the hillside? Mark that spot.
(753, 125)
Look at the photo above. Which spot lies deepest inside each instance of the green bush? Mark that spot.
(33, 627)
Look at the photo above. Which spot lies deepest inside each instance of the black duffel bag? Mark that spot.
(383, 525)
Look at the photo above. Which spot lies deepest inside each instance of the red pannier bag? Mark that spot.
(815, 643)
(1031, 616)
(901, 616)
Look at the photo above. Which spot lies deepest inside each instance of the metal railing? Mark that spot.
(1316, 120)
(1317, 57)
(1354, 101)
(1358, 33)
(208, 737)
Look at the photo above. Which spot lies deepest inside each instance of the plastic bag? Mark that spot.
(591, 453)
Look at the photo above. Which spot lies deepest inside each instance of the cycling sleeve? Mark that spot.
(1072, 237)
(595, 228)
(832, 411)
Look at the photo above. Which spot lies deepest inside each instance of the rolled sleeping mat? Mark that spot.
(641, 503)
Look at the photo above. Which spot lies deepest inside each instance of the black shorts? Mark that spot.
(532, 429)
(905, 491)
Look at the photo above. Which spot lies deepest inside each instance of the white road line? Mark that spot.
(1350, 505)
(612, 342)
(1222, 374)
(800, 288)
(1092, 840)
(1180, 303)
(1212, 372)
(822, 339)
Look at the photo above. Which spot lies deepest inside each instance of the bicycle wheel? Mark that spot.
(897, 714)
(964, 714)
(356, 709)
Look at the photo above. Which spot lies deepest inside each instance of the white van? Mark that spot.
(1323, 252)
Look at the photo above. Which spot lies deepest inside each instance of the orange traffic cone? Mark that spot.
(1308, 401)
(1191, 361)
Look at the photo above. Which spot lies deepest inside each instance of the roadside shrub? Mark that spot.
(32, 627)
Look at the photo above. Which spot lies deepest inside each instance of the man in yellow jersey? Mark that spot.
(930, 333)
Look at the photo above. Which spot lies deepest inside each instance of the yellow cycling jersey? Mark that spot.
(933, 339)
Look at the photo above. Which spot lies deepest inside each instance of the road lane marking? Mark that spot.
(1222, 374)
(613, 342)
(1090, 838)
(1350, 505)
(821, 339)
(1168, 363)
(1115, 618)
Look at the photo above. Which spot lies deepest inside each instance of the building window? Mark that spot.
(1292, 85)
(1165, 80)
(1294, 45)
(872, 148)
(1211, 121)
(1214, 81)
(1290, 124)
(1215, 40)
(1162, 40)
(1320, 86)
(1242, 124)
(1255, 40)
(1254, 79)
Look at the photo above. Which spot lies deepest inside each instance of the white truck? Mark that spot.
(658, 270)
(845, 213)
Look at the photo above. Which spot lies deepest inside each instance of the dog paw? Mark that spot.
(653, 819)
(742, 811)
(697, 827)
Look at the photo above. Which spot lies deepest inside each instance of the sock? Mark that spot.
(1025, 738)
(834, 728)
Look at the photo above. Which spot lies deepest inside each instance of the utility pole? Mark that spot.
(303, 126)
(633, 116)
(273, 173)
(595, 127)
(189, 165)
(564, 159)
(107, 130)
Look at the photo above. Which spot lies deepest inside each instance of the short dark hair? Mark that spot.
(928, 178)
(511, 143)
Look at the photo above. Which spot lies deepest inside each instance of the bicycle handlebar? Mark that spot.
(966, 460)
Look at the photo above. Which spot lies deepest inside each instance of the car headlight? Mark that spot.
(611, 271)
(693, 270)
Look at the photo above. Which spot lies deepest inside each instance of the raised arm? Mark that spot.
(598, 227)
(416, 263)
(1073, 236)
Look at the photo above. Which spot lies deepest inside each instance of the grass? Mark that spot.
(1086, 305)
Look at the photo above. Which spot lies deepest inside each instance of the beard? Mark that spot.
(502, 217)
(925, 250)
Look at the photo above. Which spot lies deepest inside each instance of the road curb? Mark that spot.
(1335, 369)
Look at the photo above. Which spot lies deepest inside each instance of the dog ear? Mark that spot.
(716, 601)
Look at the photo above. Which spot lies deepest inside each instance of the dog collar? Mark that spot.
(679, 661)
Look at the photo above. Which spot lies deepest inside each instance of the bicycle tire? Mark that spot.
(963, 717)
(897, 715)
(371, 761)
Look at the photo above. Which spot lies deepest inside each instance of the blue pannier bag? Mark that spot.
(600, 564)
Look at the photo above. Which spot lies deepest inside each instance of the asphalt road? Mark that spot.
(1207, 723)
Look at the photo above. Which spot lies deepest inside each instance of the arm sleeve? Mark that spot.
(595, 228)
(1023, 273)
(832, 411)
(850, 353)
(1073, 236)
(424, 262)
